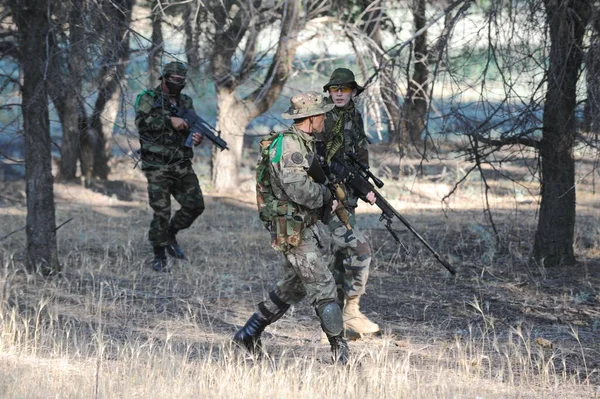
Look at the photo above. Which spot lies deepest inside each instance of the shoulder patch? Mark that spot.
(297, 158)
(144, 102)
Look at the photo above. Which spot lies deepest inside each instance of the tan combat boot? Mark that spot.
(356, 321)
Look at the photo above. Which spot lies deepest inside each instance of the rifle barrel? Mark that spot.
(387, 208)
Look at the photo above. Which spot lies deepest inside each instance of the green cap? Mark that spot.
(307, 104)
(343, 76)
(174, 68)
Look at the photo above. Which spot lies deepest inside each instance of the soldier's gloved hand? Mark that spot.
(338, 171)
(328, 202)
(178, 123)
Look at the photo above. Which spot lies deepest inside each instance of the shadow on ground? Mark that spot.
(108, 288)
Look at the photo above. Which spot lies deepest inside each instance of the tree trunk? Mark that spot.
(108, 119)
(592, 66)
(192, 39)
(89, 141)
(373, 20)
(155, 51)
(67, 97)
(235, 114)
(69, 148)
(116, 55)
(567, 21)
(390, 100)
(592, 105)
(415, 106)
(33, 25)
(233, 119)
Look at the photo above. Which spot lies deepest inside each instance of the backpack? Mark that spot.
(283, 219)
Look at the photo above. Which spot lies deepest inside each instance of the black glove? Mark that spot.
(338, 171)
(327, 204)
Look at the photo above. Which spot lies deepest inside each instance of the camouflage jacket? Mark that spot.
(289, 177)
(160, 143)
(355, 140)
(288, 199)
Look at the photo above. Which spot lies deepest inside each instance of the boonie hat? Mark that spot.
(343, 76)
(307, 104)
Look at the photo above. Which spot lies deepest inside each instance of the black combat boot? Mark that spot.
(173, 247)
(249, 335)
(339, 349)
(159, 263)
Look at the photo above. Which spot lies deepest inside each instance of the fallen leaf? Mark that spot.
(544, 343)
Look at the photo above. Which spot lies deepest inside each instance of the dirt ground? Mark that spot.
(499, 298)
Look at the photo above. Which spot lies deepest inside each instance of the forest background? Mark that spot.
(483, 118)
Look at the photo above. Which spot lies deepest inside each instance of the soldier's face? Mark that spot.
(341, 95)
(174, 84)
(318, 123)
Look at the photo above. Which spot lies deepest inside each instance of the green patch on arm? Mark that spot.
(144, 101)
(278, 145)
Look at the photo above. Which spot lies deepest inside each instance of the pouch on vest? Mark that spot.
(286, 229)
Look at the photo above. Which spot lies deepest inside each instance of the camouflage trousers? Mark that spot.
(179, 181)
(351, 258)
(306, 275)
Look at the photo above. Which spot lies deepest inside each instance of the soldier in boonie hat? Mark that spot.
(290, 202)
(306, 104)
(343, 77)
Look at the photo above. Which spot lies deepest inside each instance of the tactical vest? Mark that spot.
(285, 220)
(166, 146)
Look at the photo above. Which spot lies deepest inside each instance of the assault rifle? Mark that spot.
(318, 174)
(195, 123)
(356, 176)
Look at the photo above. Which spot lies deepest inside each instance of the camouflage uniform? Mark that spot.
(294, 203)
(166, 162)
(180, 181)
(306, 271)
(351, 251)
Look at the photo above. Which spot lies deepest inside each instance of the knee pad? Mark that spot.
(332, 321)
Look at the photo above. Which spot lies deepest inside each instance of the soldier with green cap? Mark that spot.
(344, 132)
(166, 162)
(290, 202)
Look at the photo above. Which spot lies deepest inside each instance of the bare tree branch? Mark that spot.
(510, 140)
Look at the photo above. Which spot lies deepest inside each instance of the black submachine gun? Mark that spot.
(195, 123)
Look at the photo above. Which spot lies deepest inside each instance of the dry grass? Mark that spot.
(110, 327)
